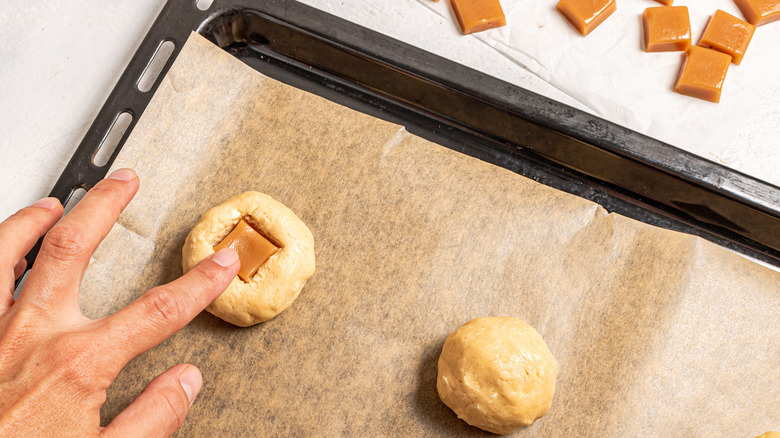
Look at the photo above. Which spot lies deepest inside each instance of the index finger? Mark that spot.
(55, 278)
(164, 310)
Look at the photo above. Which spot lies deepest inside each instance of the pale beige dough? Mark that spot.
(497, 374)
(279, 280)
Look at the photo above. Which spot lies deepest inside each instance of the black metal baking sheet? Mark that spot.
(460, 108)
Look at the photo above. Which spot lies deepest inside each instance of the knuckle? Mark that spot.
(64, 243)
(208, 276)
(175, 402)
(77, 357)
(71, 348)
(164, 306)
(16, 338)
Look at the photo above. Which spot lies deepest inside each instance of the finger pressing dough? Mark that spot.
(278, 281)
(497, 374)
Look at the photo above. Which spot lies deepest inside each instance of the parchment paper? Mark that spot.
(657, 333)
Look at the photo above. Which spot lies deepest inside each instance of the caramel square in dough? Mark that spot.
(667, 29)
(759, 12)
(252, 247)
(702, 73)
(728, 34)
(478, 15)
(586, 15)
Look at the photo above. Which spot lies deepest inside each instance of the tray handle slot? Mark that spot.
(110, 142)
(20, 284)
(203, 5)
(155, 66)
(75, 196)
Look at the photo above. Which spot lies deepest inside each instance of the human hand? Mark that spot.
(56, 364)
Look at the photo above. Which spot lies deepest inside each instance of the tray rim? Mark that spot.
(179, 18)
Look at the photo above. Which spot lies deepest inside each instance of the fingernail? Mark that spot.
(191, 381)
(123, 175)
(225, 257)
(49, 203)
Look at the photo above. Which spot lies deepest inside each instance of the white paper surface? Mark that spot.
(607, 73)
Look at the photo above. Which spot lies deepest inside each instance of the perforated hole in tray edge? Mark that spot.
(74, 199)
(111, 140)
(156, 64)
(203, 4)
(18, 289)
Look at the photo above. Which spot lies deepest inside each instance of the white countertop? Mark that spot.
(60, 60)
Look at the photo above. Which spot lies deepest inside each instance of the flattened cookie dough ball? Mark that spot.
(276, 251)
(497, 374)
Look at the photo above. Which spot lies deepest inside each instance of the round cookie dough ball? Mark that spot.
(279, 280)
(497, 374)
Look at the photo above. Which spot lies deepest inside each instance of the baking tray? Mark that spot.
(457, 107)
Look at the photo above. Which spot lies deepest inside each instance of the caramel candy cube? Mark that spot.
(667, 29)
(478, 15)
(252, 247)
(759, 12)
(728, 34)
(702, 73)
(586, 15)
(665, 2)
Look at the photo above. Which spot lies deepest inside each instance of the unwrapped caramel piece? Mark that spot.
(478, 15)
(665, 2)
(728, 34)
(759, 12)
(586, 15)
(667, 29)
(702, 73)
(252, 247)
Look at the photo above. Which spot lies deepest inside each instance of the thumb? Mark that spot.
(161, 407)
